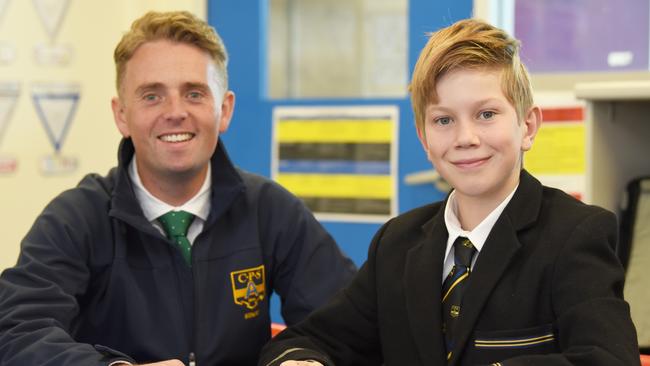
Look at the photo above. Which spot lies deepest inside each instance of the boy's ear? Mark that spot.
(531, 123)
(423, 140)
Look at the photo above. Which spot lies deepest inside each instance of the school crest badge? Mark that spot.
(248, 289)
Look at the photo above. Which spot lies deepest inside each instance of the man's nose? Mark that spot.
(176, 109)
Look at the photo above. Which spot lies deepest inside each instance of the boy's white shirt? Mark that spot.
(478, 236)
(153, 208)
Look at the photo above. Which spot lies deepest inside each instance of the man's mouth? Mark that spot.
(176, 137)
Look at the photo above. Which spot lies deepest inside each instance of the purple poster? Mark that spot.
(583, 35)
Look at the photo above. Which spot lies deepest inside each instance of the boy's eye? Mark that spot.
(442, 120)
(486, 115)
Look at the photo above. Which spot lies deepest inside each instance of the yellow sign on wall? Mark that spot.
(559, 148)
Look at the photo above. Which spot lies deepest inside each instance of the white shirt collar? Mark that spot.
(152, 207)
(478, 236)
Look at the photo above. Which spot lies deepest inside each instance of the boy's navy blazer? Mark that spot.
(546, 289)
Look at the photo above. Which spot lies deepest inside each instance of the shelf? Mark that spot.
(614, 90)
(617, 138)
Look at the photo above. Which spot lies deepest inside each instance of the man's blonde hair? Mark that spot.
(470, 44)
(176, 26)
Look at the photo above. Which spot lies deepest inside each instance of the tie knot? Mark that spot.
(176, 223)
(463, 252)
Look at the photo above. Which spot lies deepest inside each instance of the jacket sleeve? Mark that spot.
(593, 321)
(307, 266)
(39, 296)
(343, 332)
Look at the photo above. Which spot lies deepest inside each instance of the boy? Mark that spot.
(504, 271)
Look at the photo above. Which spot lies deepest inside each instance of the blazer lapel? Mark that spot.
(422, 284)
(495, 256)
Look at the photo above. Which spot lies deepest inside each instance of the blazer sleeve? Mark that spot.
(38, 297)
(307, 266)
(343, 332)
(593, 321)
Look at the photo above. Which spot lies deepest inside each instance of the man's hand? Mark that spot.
(301, 363)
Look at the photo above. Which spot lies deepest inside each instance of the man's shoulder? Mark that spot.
(258, 185)
(92, 190)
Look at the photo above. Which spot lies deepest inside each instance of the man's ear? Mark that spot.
(227, 110)
(530, 125)
(119, 116)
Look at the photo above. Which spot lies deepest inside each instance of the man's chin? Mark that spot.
(185, 171)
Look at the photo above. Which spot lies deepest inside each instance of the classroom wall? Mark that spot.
(92, 28)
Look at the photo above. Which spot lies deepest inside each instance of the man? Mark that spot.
(108, 275)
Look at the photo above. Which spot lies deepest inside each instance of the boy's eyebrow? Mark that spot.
(438, 107)
(489, 100)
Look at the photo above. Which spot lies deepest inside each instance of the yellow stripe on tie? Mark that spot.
(368, 131)
(458, 280)
(448, 356)
(338, 185)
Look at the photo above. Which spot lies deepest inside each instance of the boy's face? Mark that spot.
(172, 108)
(473, 136)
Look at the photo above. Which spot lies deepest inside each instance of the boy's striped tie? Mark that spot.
(453, 288)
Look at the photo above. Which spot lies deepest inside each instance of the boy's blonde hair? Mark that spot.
(470, 44)
(176, 26)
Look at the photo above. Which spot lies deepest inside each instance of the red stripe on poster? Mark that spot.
(569, 114)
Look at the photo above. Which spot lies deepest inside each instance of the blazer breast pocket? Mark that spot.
(490, 347)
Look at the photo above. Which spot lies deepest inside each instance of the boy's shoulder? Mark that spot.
(415, 220)
(565, 204)
(566, 213)
(535, 204)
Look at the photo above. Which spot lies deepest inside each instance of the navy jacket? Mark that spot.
(96, 282)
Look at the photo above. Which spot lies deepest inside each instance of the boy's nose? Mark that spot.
(466, 134)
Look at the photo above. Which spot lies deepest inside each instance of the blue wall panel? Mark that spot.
(242, 25)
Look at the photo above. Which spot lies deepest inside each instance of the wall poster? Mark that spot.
(341, 161)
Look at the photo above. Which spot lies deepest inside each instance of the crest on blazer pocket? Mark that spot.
(248, 289)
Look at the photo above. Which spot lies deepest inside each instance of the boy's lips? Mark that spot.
(176, 137)
(470, 163)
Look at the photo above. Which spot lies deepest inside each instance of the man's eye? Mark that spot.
(194, 95)
(150, 97)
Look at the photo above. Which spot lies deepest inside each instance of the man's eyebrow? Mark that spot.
(148, 86)
(196, 85)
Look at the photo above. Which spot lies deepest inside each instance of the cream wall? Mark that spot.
(92, 27)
